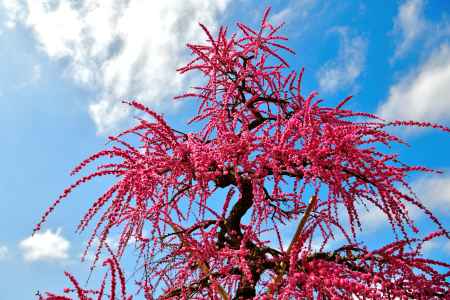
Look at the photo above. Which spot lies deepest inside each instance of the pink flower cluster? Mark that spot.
(271, 149)
(85, 294)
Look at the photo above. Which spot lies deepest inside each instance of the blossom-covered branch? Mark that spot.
(270, 149)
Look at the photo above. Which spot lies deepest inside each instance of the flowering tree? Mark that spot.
(277, 157)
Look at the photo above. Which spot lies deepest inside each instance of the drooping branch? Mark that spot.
(295, 240)
(312, 204)
(257, 128)
(201, 264)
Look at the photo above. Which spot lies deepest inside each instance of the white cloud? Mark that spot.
(346, 68)
(437, 245)
(111, 241)
(3, 252)
(409, 24)
(14, 11)
(295, 9)
(372, 219)
(424, 94)
(45, 246)
(412, 28)
(36, 74)
(434, 192)
(34, 77)
(121, 49)
(430, 246)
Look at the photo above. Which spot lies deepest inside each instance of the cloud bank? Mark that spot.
(120, 49)
(434, 191)
(342, 71)
(45, 246)
(424, 93)
(409, 25)
(3, 252)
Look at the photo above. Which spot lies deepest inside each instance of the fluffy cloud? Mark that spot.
(296, 9)
(45, 246)
(409, 25)
(424, 94)
(3, 252)
(373, 219)
(13, 11)
(434, 191)
(111, 241)
(345, 69)
(121, 49)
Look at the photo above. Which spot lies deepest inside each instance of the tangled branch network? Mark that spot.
(277, 157)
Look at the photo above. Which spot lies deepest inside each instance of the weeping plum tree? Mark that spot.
(199, 207)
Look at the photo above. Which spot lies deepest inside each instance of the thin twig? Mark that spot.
(200, 263)
(298, 232)
(302, 223)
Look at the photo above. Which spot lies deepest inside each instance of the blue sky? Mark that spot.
(66, 65)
